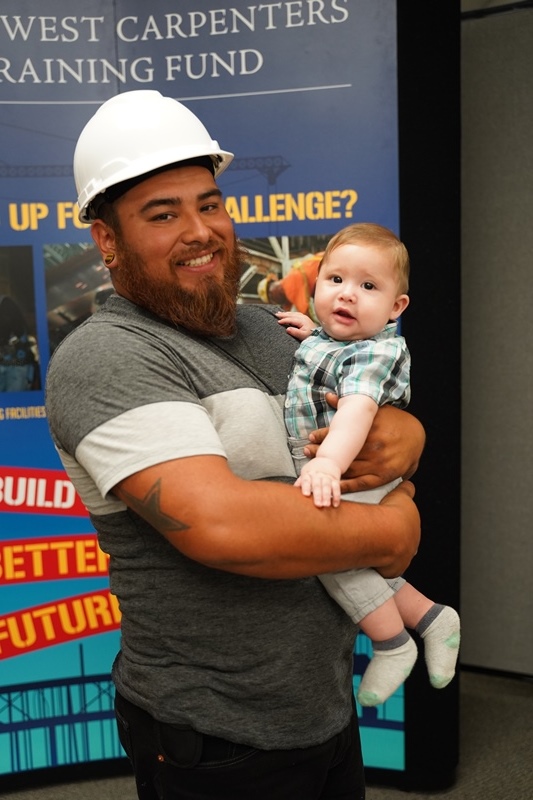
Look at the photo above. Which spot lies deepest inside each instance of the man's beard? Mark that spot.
(208, 310)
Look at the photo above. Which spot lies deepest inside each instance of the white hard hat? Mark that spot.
(134, 133)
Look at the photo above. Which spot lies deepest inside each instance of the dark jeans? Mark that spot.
(173, 762)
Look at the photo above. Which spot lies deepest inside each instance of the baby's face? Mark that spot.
(356, 293)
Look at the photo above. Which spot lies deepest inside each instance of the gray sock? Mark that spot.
(440, 628)
(391, 663)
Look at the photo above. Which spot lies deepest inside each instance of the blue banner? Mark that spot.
(305, 95)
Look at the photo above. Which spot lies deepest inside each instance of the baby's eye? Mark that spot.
(367, 285)
(336, 279)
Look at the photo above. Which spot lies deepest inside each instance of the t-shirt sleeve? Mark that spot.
(112, 416)
(379, 370)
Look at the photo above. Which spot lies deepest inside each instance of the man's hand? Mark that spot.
(400, 500)
(392, 450)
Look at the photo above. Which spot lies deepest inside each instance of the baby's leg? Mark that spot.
(394, 655)
(440, 628)
(368, 600)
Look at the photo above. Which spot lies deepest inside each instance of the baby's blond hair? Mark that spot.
(369, 233)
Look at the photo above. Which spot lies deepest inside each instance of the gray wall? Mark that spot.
(497, 327)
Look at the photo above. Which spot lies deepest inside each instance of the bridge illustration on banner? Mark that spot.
(55, 723)
(66, 721)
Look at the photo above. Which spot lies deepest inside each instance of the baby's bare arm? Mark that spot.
(349, 429)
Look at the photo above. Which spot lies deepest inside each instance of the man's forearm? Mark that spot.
(269, 530)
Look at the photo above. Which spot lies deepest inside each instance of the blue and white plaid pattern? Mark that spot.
(377, 367)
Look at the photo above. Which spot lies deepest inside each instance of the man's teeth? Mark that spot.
(198, 262)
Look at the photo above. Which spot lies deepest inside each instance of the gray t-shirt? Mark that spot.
(260, 662)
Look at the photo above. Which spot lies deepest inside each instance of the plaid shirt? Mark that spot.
(377, 367)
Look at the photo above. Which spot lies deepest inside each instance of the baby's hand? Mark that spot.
(298, 325)
(321, 478)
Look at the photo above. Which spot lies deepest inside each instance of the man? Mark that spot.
(166, 409)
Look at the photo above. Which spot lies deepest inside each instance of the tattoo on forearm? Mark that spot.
(149, 508)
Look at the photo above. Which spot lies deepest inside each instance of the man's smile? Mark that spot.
(201, 261)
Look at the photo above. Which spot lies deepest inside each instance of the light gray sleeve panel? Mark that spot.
(251, 427)
(102, 371)
(87, 489)
(143, 437)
